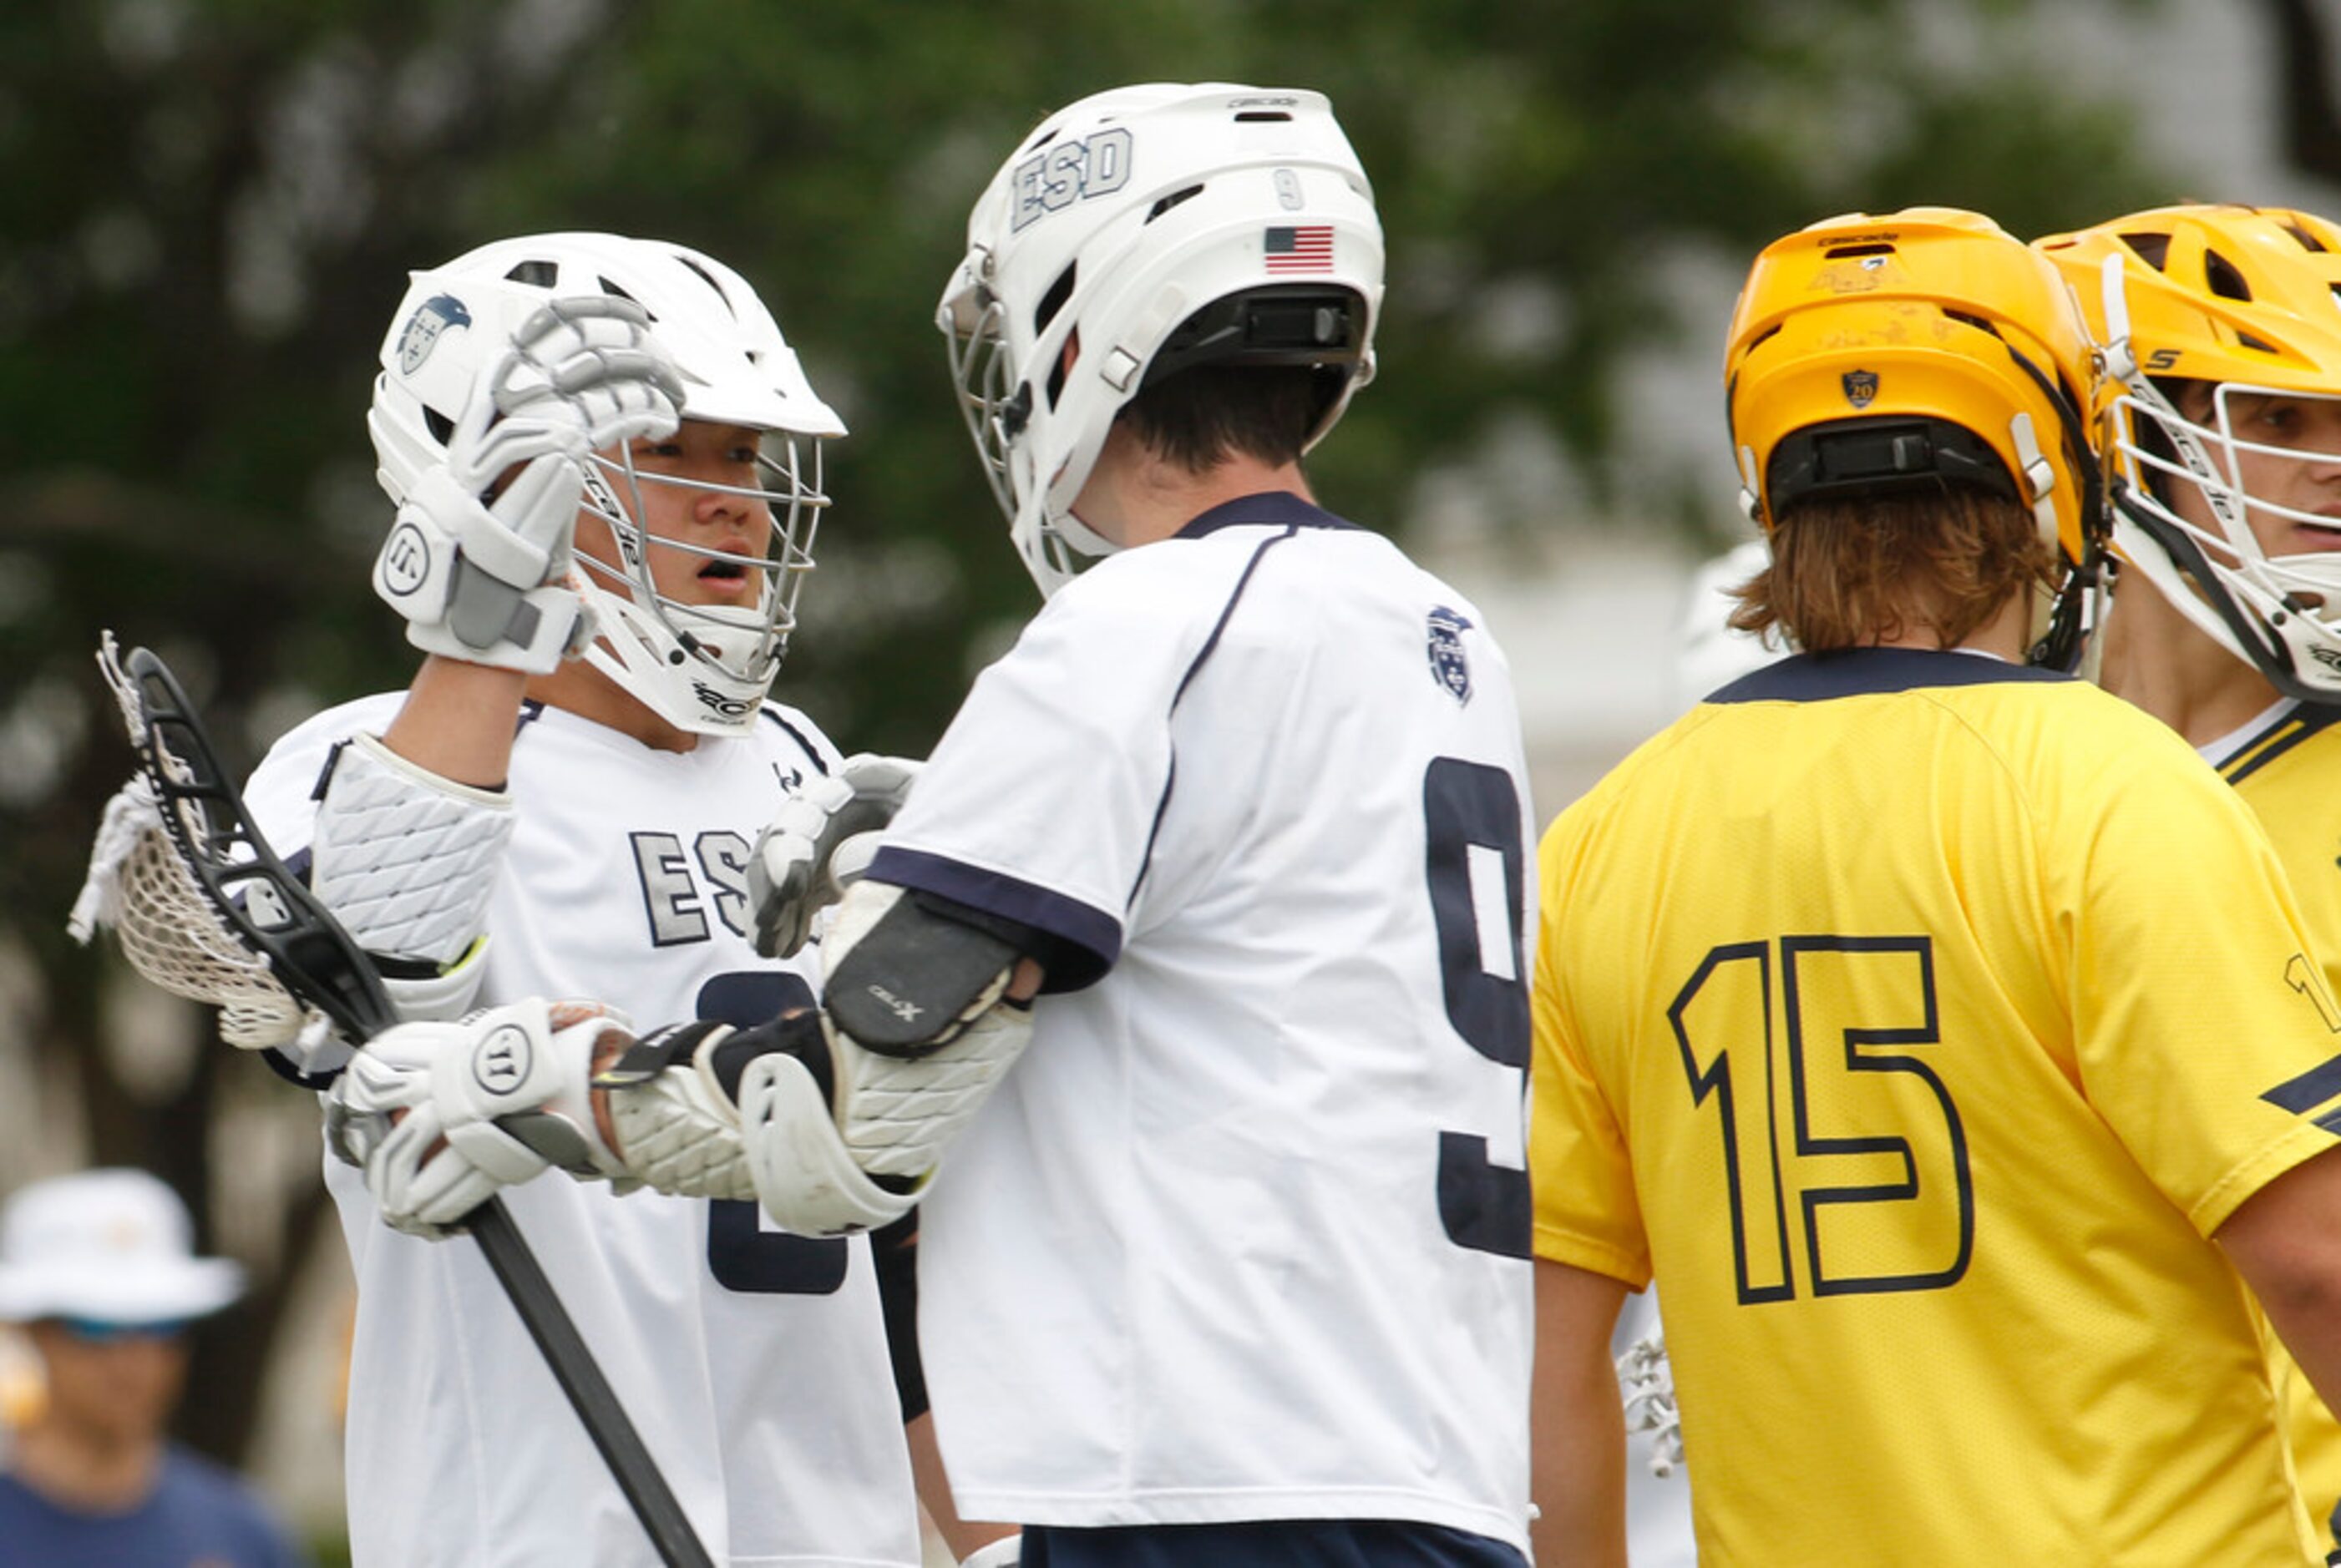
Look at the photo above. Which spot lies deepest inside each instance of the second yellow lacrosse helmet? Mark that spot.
(2241, 301)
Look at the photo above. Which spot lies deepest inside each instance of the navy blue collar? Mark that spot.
(1867, 671)
(1271, 508)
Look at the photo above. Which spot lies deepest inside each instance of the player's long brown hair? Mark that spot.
(1851, 573)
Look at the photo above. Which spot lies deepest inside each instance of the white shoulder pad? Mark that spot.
(405, 859)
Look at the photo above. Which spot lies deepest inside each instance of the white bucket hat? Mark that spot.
(112, 1246)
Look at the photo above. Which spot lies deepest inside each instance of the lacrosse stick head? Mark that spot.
(201, 904)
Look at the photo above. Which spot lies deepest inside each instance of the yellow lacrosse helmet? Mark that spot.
(1919, 349)
(2247, 300)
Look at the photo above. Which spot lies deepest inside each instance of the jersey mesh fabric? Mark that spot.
(1912, 1013)
(755, 1364)
(1190, 1265)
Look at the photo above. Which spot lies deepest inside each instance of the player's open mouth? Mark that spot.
(728, 579)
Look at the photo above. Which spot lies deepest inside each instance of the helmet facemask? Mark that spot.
(998, 407)
(2281, 613)
(727, 655)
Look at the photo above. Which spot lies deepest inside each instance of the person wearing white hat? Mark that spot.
(100, 1269)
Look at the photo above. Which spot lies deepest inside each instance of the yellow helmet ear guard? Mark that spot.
(1869, 355)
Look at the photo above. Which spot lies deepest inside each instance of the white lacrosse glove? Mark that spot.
(486, 580)
(819, 844)
(706, 1110)
(441, 1116)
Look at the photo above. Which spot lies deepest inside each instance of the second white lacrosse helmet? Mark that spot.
(1142, 232)
(704, 668)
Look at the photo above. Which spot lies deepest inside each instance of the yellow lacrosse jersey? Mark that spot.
(2288, 770)
(1916, 1018)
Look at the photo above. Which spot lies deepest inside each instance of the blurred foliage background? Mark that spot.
(213, 203)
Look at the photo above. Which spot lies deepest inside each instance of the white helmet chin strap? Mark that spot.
(2121, 360)
(1068, 526)
(1056, 545)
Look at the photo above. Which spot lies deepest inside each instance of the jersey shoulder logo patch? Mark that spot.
(1443, 642)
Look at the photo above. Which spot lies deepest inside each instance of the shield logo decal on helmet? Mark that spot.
(1860, 387)
(1450, 666)
(420, 334)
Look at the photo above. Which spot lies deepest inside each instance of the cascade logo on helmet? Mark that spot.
(729, 707)
(1051, 179)
(420, 334)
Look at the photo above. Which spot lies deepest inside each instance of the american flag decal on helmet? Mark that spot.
(1306, 248)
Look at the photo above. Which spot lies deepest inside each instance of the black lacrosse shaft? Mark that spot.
(312, 955)
(580, 1376)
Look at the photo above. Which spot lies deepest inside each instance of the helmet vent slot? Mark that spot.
(1839, 253)
(1065, 361)
(2250, 341)
(1171, 200)
(2225, 280)
(2154, 250)
(610, 288)
(536, 274)
(440, 426)
(709, 279)
(1980, 323)
(2308, 241)
(1256, 115)
(1054, 299)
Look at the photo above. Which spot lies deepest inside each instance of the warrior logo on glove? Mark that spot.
(406, 560)
(503, 1059)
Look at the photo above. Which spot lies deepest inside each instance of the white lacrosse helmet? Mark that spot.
(704, 668)
(1139, 232)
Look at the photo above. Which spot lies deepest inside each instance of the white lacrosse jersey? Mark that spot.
(753, 1363)
(1243, 1236)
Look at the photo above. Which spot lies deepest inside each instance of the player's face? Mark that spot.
(677, 505)
(2288, 455)
(118, 1384)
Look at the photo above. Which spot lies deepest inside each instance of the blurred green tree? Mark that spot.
(213, 202)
